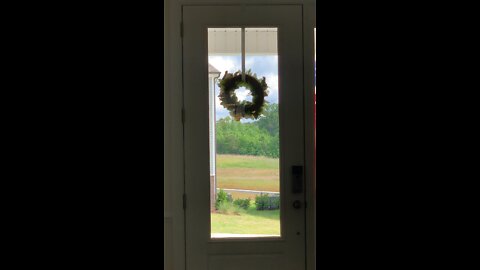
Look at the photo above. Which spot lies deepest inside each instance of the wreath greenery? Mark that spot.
(246, 109)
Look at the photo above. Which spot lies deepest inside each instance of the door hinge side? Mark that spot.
(181, 29)
(184, 201)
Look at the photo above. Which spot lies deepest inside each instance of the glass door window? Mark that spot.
(244, 152)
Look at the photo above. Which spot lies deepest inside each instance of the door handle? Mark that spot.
(297, 179)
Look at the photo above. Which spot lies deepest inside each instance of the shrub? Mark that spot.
(275, 202)
(228, 208)
(243, 203)
(265, 202)
(222, 196)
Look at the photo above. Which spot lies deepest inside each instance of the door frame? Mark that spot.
(174, 219)
(309, 23)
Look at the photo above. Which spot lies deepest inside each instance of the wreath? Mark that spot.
(246, 109)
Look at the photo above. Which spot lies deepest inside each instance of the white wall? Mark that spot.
(174, 250)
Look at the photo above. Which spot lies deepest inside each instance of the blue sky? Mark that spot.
(264, 65)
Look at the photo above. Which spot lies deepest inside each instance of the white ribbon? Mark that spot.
(243, 53)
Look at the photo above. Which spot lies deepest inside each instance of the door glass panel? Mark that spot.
(244, 152)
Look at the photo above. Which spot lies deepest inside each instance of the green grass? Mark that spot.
(228, 208)
(252, 222)
(251, 162)
(253, 173)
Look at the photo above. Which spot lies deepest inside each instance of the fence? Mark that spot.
(251, 191)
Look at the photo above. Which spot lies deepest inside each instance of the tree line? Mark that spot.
(258, 138)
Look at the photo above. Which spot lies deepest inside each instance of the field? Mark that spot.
(247, 172)
(252, 173)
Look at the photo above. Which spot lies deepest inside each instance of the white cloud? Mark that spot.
(243, 94)
(272, 82)
(222, 113)
(223, 63)
(249, 62)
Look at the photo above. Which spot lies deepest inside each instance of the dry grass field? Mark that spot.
(247, 172)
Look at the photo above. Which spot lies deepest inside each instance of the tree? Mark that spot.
(259, 138)
(269, 121)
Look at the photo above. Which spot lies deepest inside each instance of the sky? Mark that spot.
(264, 65)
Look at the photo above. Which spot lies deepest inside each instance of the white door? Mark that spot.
(255, 238)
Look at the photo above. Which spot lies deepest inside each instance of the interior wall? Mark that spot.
(174, 241)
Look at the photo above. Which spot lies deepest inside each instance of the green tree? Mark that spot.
(260, 138)
(269, 120)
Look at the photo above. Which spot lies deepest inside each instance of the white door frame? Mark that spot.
(174, 242)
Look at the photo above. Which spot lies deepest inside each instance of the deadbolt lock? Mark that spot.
(297, 204)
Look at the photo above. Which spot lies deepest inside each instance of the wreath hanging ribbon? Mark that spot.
(243, 109)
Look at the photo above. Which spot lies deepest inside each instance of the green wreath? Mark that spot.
(246, 109)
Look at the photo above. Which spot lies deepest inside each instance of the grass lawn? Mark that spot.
(251, 162)
(248, 172)
(252, 222)
(253, 173)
